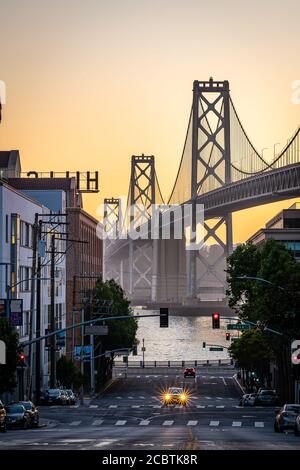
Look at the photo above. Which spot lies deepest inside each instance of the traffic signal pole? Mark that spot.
(38, 325)
(52, 315)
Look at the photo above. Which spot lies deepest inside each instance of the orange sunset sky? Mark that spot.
(91, 82)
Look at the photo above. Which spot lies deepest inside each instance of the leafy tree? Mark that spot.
(253, 353)
(9, 335)
(68, 374)
(121, 333)
(276, 305)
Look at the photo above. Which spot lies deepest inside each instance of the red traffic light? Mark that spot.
(215, 320)
(22, 357)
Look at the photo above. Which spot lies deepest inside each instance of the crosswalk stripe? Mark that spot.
(156, 406)
(121, 422)
(119, 398)
(192, 423)
(113, 406)
(135, 406)
(220, 406)
(200, 406)
(259, 424)
(97, 422)
(131, 398)
(93, 406)
(144, 422)
(236, 424)
(75, 423)
(168, 423)
(214, 423)
(142, 398)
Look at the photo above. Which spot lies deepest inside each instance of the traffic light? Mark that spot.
(20, 359)
(164, 317)
(215, 320)
(204, 345)
(227, 336)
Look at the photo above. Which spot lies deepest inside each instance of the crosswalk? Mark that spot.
(164, 422)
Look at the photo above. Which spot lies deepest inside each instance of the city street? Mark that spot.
(130, 416)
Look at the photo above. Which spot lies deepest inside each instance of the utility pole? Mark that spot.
(38, 323)
(143, 349)
(52, 314)
(32, 303)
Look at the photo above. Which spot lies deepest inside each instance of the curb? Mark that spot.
(238, 383)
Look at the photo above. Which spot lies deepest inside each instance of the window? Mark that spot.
(25, 327)
(25, 278)
(26, 232)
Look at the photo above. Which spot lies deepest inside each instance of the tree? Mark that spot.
(10, 336)
(121, 333)
(253, 353)
(276, 305)
(67, 373)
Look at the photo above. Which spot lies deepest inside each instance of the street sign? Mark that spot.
(215, 349)
(99, 330)
(61, 339)
(16, 312)
(83, 352)
(238, 326)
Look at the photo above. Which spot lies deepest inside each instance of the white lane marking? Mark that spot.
(75, 406)
(153, 396)
(144, 422)
(168, 423)
(147, 376)
(97, 422)
(75, 423)
(192, 423)
(220, 406)
(236, 424)
(156, 406)
(224, 381)
(214, 423)
(120, 422)
(219, 398)
(138, 376)
(130, 398)
(200, 406)
(135, 406)
(208, 398)
(113, 406)
(119, 398)
(155, 376)
(143, 398)
(70, 441)
(105, 443)
(93, 406)
(259, 424)
(166, 376)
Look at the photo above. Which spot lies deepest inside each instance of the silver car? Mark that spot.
(286, 417)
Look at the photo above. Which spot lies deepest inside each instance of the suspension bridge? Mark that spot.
(219, 168)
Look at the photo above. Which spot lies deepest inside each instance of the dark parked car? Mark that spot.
(2, 417)
(55, 396)
(266, 397)
(17, 416)
(71, 396)
(297, 426)
(189, 372)
(33, 412)
(286, 417)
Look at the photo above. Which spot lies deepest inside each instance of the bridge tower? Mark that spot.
(141, 251)
(210, 169)
(111, 269)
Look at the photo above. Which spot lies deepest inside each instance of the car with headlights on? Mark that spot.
(17, 416)
(175, 395)
(286, 417)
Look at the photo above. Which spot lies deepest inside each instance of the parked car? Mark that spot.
(286, 417)
(248, 399)
(71, 396)
(33, 413)
(55, 396)
(297, 426)
(17, 416)
(2, 417)
(266, 397)
(189, 372)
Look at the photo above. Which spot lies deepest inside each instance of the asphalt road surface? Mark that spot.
(130, 415)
